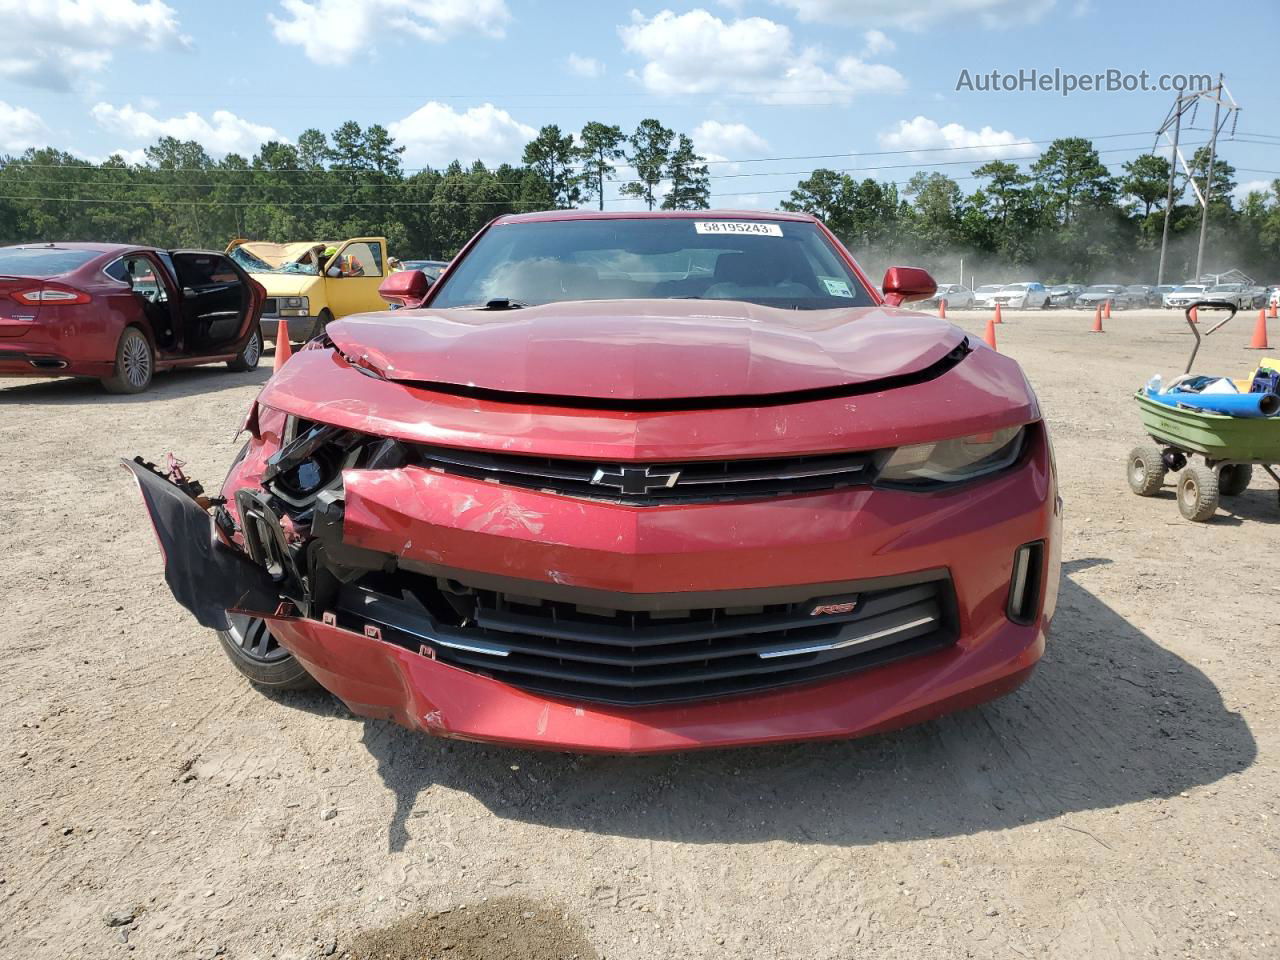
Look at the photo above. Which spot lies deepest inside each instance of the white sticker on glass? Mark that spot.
(753, 227)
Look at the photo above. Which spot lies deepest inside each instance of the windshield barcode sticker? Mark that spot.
(753, 227)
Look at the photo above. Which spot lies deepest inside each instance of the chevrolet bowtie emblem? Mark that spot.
(636, 480)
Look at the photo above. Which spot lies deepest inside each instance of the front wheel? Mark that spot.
(252, 650)
(1198, 492)
(249, 356)
(135, 363)
(1146, 470)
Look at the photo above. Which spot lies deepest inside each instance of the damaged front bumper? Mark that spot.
(424, 598)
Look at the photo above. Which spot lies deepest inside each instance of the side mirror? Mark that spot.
(901, 284)
(408, 288)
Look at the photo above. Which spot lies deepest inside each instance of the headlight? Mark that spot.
(952, 461)
(295, 303)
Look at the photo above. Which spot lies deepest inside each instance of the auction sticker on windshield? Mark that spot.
(753, 227)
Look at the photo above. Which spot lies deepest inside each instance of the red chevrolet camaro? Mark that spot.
(634, 482)
(120, 313)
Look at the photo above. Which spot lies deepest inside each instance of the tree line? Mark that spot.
(350, 182)
(1064, 217)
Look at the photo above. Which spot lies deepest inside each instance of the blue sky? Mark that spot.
(748, 80)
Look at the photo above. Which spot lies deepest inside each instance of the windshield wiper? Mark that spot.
(504, 303)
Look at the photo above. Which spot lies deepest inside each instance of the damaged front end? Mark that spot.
(619, 581)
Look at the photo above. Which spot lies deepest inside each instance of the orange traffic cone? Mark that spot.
(1097, 320)
(283, 348)
(1274, 315)
(990, 335)
(942, 309)
(998, 318)
(1106, 312)
(1259, 341)
(1195, 314)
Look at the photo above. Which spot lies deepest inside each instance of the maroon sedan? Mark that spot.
(120, 313)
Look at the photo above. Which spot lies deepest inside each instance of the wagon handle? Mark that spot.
(1195, 329)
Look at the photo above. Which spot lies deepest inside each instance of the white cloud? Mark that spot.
(333, 31)
(698, 53)
(1239, 194)
(588, 67)
(923, 134)
(727, 138)
(436, 134)
(222, 133)
(918, 13)
(55, 43)
(20, 128)
(876, 42)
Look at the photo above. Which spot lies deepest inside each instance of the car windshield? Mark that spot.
(787, 264)
(1060, 289)
(1104, 288)
(1137, 288)
(254, 264)
(1225, 288)
(988, 288)
(1015, 287)
(1190, 289)
(41, 261)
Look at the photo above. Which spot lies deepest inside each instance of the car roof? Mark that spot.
(546, 215)
(90, 247)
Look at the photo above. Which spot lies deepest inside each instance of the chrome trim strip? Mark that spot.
(842, 644)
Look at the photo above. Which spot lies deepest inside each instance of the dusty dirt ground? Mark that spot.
(1122, 804)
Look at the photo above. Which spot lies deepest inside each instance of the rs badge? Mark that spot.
(833, 609)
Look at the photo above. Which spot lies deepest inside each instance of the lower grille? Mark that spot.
(659, 655)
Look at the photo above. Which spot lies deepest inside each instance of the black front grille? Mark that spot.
(269, 307)
(657, 655)
(645, 484)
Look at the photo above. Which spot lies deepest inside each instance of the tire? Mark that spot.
(1198, 492)
(1233, 479)
(1146, 470)
(322, 321)
(253, 651)
(135, 363)
(250, 354)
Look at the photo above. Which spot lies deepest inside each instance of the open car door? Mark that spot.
(353, 275)
(219, 305)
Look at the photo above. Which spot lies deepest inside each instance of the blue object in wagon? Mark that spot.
(1228, 404)
(1265, 381)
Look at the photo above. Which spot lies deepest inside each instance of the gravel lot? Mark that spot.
(1122, 804)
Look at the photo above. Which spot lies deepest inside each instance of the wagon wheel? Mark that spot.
(1233, 479)
(1146, 470)
(1198, 492)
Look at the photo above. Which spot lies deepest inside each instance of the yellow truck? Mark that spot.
(310, 283)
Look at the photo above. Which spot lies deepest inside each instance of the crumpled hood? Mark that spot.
(646, 349)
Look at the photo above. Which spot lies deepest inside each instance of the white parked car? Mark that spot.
(957, 296)
(985, 295)
(1023, 296)
(1184, 296)
(1236, 294)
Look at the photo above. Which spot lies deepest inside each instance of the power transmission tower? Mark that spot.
(1183, 104)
